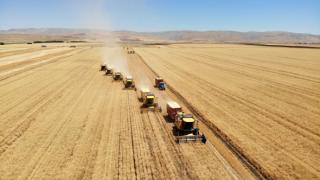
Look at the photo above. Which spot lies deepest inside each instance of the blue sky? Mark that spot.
(160, 15)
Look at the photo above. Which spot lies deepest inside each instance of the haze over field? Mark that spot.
(31, 34)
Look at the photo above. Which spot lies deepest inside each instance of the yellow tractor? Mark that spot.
(129, 83)
(149, 101)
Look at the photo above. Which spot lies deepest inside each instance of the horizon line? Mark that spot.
(182, 30)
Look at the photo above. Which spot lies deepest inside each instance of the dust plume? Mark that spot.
(93, 15)
(144, 82)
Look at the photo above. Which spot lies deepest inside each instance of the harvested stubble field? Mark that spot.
(265, 101)
(61, 118)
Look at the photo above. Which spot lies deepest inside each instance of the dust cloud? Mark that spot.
(93, 15)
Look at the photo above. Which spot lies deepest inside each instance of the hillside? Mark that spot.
(24, 35)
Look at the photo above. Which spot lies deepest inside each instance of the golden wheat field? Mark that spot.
(265, 99)
(63, 118)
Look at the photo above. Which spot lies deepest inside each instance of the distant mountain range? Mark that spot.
(33, 34)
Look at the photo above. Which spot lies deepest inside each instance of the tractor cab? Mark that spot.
(129, 81)
(149, 101)
(162, 85)
(186, 123)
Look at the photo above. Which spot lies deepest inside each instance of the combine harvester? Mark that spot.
(117, 76)
(130, 51)
(159, 83)
(185, 126)
(103, 67)
(149, 101)
(129, 83)
(109, 70)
